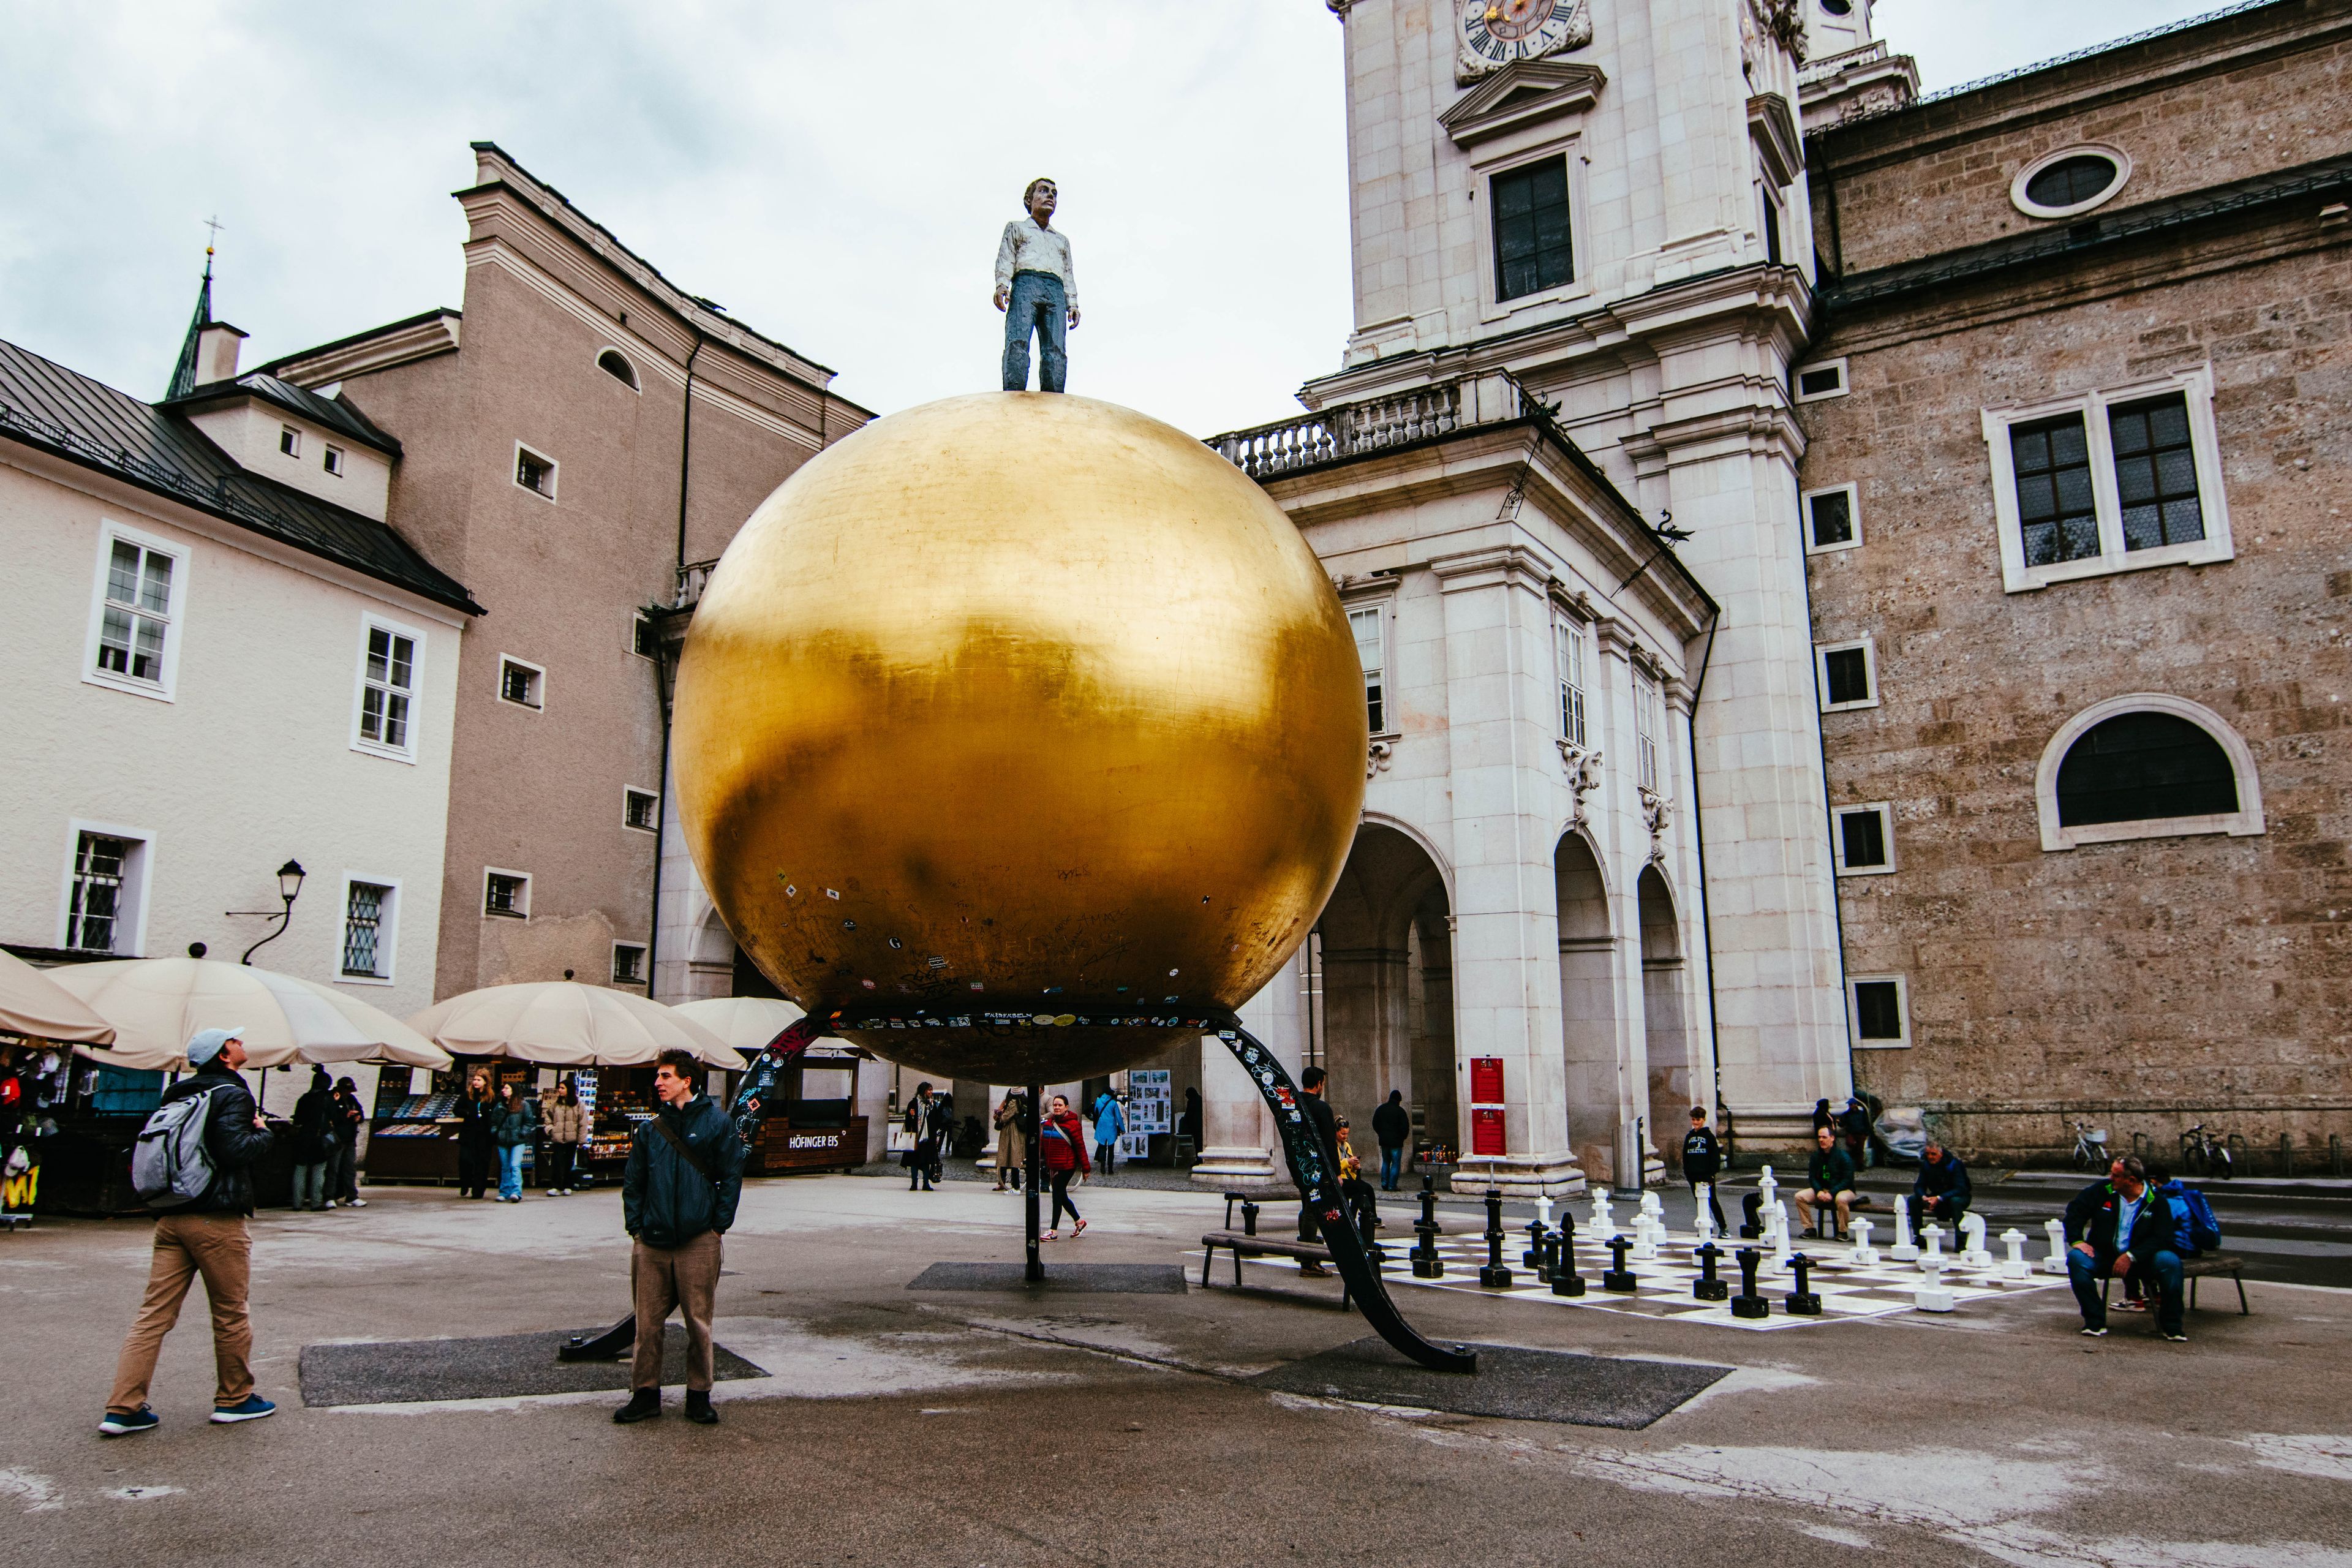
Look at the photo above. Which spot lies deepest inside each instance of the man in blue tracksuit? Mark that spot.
(2123, 1229)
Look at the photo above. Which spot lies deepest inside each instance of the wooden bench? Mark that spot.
(2226, 1264)
(1243, 1245)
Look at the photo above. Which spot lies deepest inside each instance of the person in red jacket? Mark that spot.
(1063, 1140)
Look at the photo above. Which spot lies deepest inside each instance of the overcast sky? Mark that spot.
(834, 173)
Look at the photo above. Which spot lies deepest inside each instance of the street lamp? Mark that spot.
(289, 888)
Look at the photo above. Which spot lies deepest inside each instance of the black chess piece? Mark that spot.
(1533, 1256)
(1249, 1217)
(1565, 1280)
(1747, 1303)
(1547, 1255)
(1751, 1206)
(1802, 1303)
(1494, 1215)
(1494, 1276)
(1617, 1276)
(1426, 1263)
(1708, 1288)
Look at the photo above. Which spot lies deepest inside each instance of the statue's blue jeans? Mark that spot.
(1038, 306)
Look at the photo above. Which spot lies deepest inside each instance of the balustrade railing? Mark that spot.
(1353, 428)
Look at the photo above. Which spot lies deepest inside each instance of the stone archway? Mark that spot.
(1589, 1006)
(1387, 1021)
(1665, 1012)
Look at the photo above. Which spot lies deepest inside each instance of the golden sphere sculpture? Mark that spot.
(1019, 704)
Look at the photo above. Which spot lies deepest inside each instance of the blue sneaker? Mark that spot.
(121, 1424)
(252, 1409)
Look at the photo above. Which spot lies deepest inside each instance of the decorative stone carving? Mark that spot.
(1782, 21)
(1583, 774)
(1377, 760)
(1657, 811)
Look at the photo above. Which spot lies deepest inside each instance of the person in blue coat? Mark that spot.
(2123, 1229)
(1109, 1122)
(1940, 1192)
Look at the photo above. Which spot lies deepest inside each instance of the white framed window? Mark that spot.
(1879, 1007)
(1646, 730)
(2070, 181)
(534, 472)
(383, 722)
(107, 869)
(505, 893)
(1567, 652)
(2106, 481)
(371, 928)
(1532, 228)
(1863, 838)
(641, 809)
(1369, 622)
(289, 440)
(136, 611)
(1770, 221)
(615, 364)
(1848, 672)
(1821, 379)
(332, 461)
(644, 641)
(629, 964)
(521, 683)
(1832, 518)
(2145, 765)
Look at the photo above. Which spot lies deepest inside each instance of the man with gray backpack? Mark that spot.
(194, 1165)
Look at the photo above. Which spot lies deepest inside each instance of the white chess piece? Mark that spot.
(1543, 1212)
(1703, 1223)
(1863, 1255)
(1932, 1295)
(1931, 1256)
(2057, 1262)
(1974, 1254)
(1904, 1249)
(1603, 1228)
(1765, 1187)
(1645, 1238)
(1778, 1262)
(2013, 1240)
(1654, 1206)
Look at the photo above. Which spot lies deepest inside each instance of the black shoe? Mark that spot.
(644, 1404)
(698, 1408)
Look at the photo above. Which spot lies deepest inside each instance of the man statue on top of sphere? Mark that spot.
(1037, 290)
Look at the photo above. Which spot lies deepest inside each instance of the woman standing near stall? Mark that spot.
(567, 1124)
(1062, 1138)
(475, 1140)
(514, 1125)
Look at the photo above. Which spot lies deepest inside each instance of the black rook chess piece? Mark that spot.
(1747, 1303)
(1565, 1280)
(1617, 1276)
(1708, 1288)
(1802, 1303)
(1249, 1217)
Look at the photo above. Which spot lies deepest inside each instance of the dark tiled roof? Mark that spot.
(332, 412)
(43, 405)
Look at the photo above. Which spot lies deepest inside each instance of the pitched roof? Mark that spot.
(44, 406)
(332, 412)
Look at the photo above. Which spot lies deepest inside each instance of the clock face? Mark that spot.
(1500, 31)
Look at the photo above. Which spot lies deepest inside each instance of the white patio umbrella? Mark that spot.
(156, 1004)
(566, 1023)
(748, 1023)
(33, 1005)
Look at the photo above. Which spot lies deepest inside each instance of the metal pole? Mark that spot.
(1035, 1270)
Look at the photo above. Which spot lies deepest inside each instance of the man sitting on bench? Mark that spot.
(1829, 1184)
(1940, 1192)
(2121, 1228)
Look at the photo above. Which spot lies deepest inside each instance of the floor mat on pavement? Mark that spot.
(1065, 1278)
(1511, 1382)
(406, 1372)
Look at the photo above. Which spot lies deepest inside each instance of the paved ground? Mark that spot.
(894, 1426)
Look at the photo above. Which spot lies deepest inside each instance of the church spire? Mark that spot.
(184, 373)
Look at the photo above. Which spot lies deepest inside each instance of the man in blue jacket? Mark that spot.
(678, 1195)
(1940, 1192)
(2123, 1229)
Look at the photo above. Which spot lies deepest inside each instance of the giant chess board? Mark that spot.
(1662, 1284)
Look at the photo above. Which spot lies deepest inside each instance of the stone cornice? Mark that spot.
(1523, 93)
(1769, 428)
(419, 337)
(1501, 565)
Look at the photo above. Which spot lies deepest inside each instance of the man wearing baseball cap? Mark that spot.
(208, 1237)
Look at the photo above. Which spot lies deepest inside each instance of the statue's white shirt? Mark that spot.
(1029, 249)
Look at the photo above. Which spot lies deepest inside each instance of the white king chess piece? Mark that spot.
(1931, 1257)
(1863, 1255)
(1974, 1253)
(2013, 1241)
(1932, 1295)
(1904, 1249)
(2057, 1262)
(1603, 1228)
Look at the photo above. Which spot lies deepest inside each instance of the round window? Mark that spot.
(2069, 182)
(1838, 7)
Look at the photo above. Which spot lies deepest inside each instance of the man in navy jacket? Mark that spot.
(2123, 1228)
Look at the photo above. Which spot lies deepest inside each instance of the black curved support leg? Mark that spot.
(1319, 1185)
(749, 1110)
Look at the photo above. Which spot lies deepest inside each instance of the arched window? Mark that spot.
(615, 364)
(2146, 767)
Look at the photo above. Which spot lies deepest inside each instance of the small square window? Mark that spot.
(629, 964)
(534, 473)
(641, 809)
(289, 440)
(644, 641)
(1815, 381)
(521, 684)
(1864, 839)
(1880, 1007)
(1832, 519)
(507, 893)
(332, 461)
(1848, 674)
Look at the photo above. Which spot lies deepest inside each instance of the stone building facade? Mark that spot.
(2073, 482)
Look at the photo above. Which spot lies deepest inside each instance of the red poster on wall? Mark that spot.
(1487, 1130)
(1485, 1081)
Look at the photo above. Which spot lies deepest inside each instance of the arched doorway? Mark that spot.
(1387, 1005)
(1665, 1017)
(1589, 1010)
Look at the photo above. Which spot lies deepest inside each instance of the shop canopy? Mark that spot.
(33, 1004)
(156, 1004)
(748, 1023)
(566, 1023)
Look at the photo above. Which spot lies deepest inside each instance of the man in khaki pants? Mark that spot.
(677, 1197)
(207, 1238)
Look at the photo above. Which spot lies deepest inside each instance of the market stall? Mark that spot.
(40, 1022)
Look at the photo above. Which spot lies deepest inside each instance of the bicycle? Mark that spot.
(2090, 1147)
(2204, 1155)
